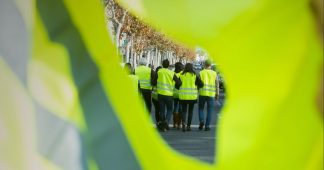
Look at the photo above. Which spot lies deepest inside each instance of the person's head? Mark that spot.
(188, 69)
(142, 62)
(165, 63)
(207, 63)
(178, 67)
(128, 68)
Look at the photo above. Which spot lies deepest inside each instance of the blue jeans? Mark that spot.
(210, 108)
(165, 102)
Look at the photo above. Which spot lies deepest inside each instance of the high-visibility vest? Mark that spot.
(134, 79)
(176, 91)
(144, 77)
(165, 82)
(208, 77)
(68, 88)
(188, 89)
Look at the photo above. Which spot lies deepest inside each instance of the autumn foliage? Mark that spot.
(142, 37)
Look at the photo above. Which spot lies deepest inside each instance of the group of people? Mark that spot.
(174, 93)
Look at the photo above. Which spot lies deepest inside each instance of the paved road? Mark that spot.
(199, 144)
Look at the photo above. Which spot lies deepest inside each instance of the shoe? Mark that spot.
(159, 126)
(174, 115)
(207, 129)
(166, 126)
(183, 128)
(201, 125)
(188, 128)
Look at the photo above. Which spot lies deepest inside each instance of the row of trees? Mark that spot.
(135, 39)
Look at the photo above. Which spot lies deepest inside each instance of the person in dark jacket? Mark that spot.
(176, 102)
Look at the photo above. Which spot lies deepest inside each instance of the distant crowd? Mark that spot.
(175, 92)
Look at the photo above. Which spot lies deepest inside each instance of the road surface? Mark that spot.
(199, 144)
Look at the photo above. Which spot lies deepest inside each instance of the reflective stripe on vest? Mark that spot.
(165, 82)
(208, 77)
(188, 89)
(144, 76)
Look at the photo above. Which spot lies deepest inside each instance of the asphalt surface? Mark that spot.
(196, 143)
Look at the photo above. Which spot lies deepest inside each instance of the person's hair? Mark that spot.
(178, 67)
(207, 63)
(142, 61)
(188, 69)
(128, 68)
(165, 63)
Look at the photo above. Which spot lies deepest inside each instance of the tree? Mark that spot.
(141, 39)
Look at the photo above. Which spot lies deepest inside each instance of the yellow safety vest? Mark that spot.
(188, 89)
(134, 79)
(71, 91)
(165, 82)
(176, 91)
(144, 76)
(208, 77)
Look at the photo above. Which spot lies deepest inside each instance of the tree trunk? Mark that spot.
(118, 32)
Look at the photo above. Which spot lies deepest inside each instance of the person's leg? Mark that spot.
(201, 105)
(147, 99)
(175, 105)
(175, 108)
(210, 108)
(190, 112)
(157, 110)
(179, 114)
(183, 115)
(162, 110)
(169, 107)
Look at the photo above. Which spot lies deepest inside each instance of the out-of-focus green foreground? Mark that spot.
(268, 51)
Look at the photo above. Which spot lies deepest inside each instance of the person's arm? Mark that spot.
(154, 77)
(177, 82)
(198, 82)
(217, 87)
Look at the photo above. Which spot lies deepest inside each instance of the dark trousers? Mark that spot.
(157, 110)
(176, 105)
(184, 113)
(146, 94)
(165, 102)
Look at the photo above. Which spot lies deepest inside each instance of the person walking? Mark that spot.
(176, 103)
(165, 81)
(207, 94)
(188, 94)
(155, 101)
(145, 76)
